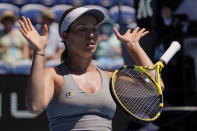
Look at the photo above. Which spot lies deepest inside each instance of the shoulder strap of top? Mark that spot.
(103, 75)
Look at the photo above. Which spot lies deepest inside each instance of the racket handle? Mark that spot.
(170, 52)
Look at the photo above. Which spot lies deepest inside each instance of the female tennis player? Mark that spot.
(75, 94)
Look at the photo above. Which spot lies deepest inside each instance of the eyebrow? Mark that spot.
(85, 24)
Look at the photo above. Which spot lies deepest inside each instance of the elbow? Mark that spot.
(162, 86)
(34, 109)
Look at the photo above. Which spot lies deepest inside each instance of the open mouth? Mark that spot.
(91, 43)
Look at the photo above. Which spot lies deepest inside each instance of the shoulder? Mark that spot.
(54, 75)
(49, 73)
(52, 71)
(108, 73)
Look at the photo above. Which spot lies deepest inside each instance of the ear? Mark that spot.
(65, 36)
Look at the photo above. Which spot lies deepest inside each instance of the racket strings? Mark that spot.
(137, 93)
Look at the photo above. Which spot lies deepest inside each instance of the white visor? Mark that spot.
(76, 13)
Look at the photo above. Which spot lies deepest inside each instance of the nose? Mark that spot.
(90, 34)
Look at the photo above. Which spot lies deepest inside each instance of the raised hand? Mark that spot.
(131, 38)
(29, 32)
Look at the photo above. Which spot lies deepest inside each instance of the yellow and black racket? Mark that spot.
(137, 92)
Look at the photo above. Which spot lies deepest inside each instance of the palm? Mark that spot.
(39, 42)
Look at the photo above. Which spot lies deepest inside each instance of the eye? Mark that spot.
(82, 29)
(94, 29)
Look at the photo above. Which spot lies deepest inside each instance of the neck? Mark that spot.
(81, 65)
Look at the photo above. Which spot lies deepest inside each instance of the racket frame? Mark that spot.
(157, 81)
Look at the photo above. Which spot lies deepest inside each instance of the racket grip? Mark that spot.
(170, 52)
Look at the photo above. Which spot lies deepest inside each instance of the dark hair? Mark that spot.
(65, 52)
(66, 12)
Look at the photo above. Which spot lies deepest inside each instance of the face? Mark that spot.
(47, 21)
(166, 13)
(82, 36)
(8, 23)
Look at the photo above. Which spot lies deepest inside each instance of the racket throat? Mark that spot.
(158, 67)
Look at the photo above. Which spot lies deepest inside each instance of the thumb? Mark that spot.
(45, 30)
(118, 35)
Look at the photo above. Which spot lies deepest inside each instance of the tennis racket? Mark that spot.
(136, 92)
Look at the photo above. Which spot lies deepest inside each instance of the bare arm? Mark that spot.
(26, 51)
(40, 87)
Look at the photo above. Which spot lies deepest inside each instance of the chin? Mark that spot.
(90, 51)
(88, 54)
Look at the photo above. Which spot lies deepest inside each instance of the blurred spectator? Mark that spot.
(169, 29)
(13, 46)
(109, 53)
(54, 47)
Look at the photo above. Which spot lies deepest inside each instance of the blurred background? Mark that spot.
(166, 20)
